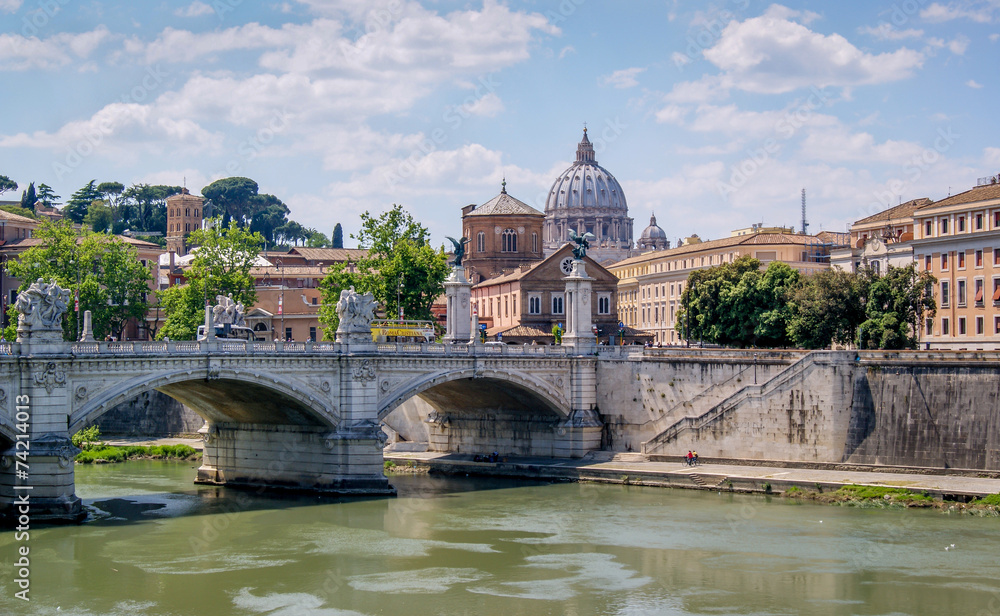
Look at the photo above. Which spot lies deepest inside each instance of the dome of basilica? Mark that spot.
(586, 185)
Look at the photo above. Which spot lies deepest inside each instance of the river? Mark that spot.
(158, 545)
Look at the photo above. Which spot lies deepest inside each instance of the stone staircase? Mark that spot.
(729, 404)
(707, 482)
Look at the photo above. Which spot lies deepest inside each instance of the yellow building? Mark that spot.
(958, 241)
(650, 285)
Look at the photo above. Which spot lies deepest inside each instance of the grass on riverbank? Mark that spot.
(103, 453)
(886, 497)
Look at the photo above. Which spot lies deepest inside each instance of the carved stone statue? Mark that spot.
(226, 311)
(459, 249)
(355, 311)
(582, 243)
(41, 306)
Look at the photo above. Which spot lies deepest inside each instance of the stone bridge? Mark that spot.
(295, 415)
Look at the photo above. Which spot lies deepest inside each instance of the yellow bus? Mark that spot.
(390, 330)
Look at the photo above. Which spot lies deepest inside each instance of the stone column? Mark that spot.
(458, 291)
(88, 327)
(36, 471)
(579, 321)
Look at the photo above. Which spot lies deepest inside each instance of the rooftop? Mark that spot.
(903, 210)
(504, 204)
(979, 193)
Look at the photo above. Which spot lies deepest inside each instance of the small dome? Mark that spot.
(653, 232)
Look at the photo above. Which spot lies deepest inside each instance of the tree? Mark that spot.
(221, 266)
(29, 198)
(290, 232)
(7, 184)
(78, 204)
(737, 304)
(895, 305)
(337, 239)
(143, 208)
(99, 217)
(337, 279)
(106, 272)
(46, 196)
(826, 308)
(399, 264)
(316, 239)
(267, 220)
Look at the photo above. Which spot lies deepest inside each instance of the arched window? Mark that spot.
(187, 226)
(481, 242)
(187, 211)
(508, 240)
(196, 212)
(534, 242)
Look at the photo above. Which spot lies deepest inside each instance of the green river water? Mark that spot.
(158, 545)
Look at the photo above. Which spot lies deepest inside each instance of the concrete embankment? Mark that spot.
(632, 470)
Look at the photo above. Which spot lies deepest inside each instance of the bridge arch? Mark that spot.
(515, 389)
(227, 396)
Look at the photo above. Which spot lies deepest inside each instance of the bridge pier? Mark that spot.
(311, 458)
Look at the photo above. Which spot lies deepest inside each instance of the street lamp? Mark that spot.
(399, 293)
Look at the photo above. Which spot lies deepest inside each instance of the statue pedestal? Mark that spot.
(356, 312)
(579, 318)
(458, 291)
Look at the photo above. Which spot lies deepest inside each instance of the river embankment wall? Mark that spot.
(920, 409)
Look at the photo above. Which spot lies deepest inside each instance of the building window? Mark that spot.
(980, 298)
(288, 333)
(929, 327)
(944, 226)
(944, 262)
(508, 240)
(944, 327)
(979, 222)
(945, 294)
(534, 242)
(961, 293)
(604, 304)
(534, 304)
(557, 303)
(927, 263)
(196, 212)
(312, 334)
(996, 219)
(928, 228)
(980, 326)
(187, 211)
(961, 326)
(961, 259)
(961, 223)
(505, 305)
(480, 242)
(979, 258)
(996, 325)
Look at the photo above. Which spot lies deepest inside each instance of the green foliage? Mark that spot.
(221, 266)
(737, 304)
(895, 305)
(140, 207)
(337, 279)
(110, 453)
(882, 492)
(826, 308)
(99, 217)
(992, 499)
(20, 211)
(79, 202)
(793, 491)
(103, 269)
(337, 239)
(46, 196)
(87, 438)
(317, 239)
(400, 264)
(557, 333)
(29, 198)
(7, 184)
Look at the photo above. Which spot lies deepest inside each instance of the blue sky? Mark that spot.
(713, 116)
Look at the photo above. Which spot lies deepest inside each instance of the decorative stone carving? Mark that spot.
(228, 312)
(214, 372)
(325, 386)
(361, 430)
(3, 398)
(81, 392)
(356, 312)
(50, 378)
(41, 308)
(364, 372)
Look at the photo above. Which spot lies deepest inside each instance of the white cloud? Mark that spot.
(991, 158)
(995, 37)
(706, 89)
(194, 179)
(886, 32)
(488, 106)
(19, 53)
(671, 114)
(979, 11)
(839, 145)
(10, 6)
(770, 54)
(195, 9)
(624, 78)
(972, 83)
(958, 45)
(565, 51)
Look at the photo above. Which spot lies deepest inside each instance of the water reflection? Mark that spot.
(156, 544)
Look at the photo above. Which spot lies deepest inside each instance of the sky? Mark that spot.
(712, 115)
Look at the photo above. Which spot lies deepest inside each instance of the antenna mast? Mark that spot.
(804, 223)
